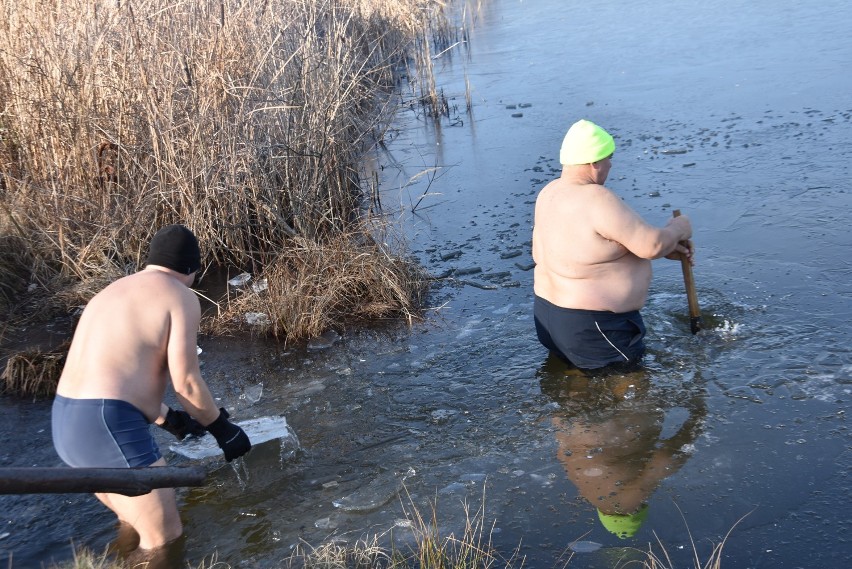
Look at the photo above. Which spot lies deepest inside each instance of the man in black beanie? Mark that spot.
(134, 337)
(175, 247)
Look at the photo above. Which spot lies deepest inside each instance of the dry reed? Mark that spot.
(246, 121)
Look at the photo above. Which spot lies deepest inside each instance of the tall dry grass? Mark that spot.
(246, 121)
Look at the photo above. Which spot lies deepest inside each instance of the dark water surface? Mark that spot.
(740, 116)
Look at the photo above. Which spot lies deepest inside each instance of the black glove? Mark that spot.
(180, 424)
(232, 439)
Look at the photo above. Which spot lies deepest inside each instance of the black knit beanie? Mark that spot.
(176, 248)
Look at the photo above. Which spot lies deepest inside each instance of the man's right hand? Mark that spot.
(233, 441)
(684, 250)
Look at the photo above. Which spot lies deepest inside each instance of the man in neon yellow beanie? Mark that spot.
(593, 257)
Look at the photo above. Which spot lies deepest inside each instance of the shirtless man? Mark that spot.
(133, 337)
(593, 257)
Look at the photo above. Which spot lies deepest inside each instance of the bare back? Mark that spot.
(122, 343)
(577, 266)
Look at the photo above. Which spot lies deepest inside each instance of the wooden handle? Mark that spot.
(691, 296)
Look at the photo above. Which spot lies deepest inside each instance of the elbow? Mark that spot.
(185, 386)
(654, 250)
(658, 248)
(659, 253)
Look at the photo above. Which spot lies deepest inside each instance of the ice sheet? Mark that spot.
(259, 430)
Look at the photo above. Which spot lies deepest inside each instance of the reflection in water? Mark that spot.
(611, 441)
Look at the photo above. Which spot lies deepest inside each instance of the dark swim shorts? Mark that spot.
(102, 433)
(589, 339)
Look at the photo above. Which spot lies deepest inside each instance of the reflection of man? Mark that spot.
(133, 337)
(608, 434)
(593, 257)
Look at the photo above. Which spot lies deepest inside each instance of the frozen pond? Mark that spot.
(740, 116)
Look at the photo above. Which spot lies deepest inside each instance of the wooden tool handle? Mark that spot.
(691, 296)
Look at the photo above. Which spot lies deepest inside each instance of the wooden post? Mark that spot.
(126, 481)
(691, 296)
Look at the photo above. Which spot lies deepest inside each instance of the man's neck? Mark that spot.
(183, 279)
(580, 175)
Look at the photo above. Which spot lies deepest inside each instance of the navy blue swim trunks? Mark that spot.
(102, 433)
(589, 339)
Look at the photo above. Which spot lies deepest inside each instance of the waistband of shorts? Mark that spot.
(100, 403)
(583, 311)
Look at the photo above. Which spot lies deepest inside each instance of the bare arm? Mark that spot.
(614, 220)
(191, 390)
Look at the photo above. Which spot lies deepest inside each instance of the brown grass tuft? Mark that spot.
(33, 373)
(471, 549)
(314, 286)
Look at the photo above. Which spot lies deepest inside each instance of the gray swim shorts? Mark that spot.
(102, 433)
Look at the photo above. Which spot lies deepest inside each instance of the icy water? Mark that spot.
(740, 116)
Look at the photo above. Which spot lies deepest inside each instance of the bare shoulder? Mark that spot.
(559, 193)
(549, 191)
(604, 196)
(607, 207)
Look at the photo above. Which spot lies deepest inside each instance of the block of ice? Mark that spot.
(584, 546)
(259, 430)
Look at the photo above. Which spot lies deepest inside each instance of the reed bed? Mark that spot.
(245, 121)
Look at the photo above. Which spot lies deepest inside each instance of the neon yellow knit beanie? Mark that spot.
(624, 526)
(585, 143)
